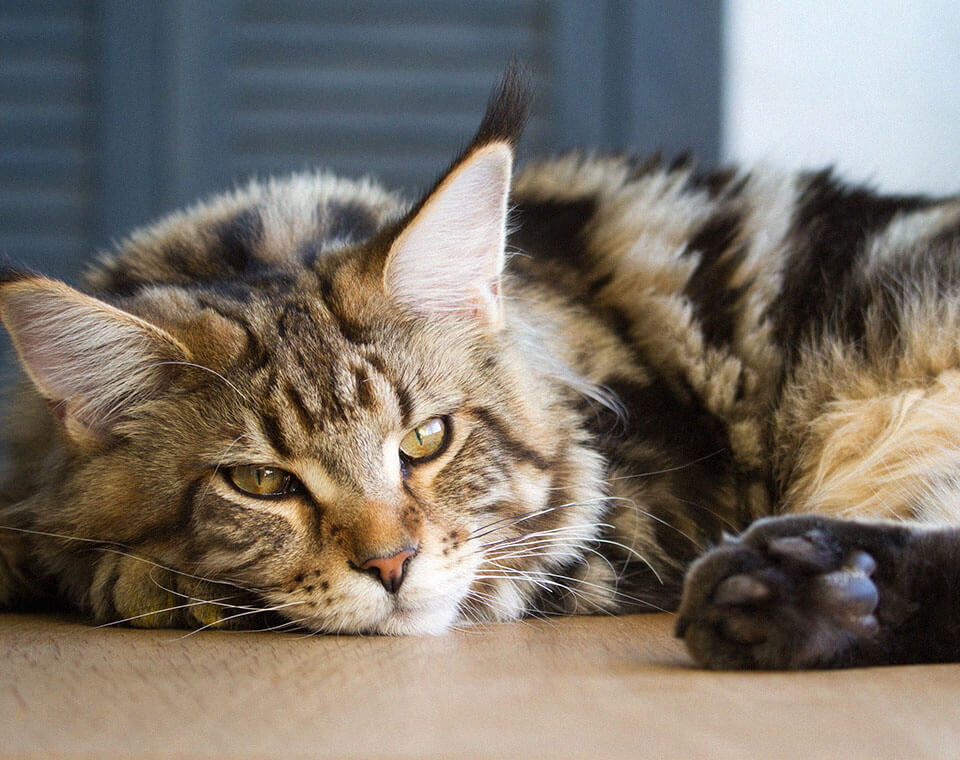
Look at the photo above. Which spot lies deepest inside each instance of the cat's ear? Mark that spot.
(91, 361)
(449, 255)
(449, 258)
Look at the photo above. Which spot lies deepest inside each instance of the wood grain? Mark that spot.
(579, 687)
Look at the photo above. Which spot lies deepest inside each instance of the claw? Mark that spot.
(808, 552)
(861, 562)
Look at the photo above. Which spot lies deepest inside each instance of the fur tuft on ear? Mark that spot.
(507, 111)
(449, 254)
(89, 359)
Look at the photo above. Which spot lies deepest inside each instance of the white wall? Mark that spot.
(871, 86)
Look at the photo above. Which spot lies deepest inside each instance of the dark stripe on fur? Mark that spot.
(715, 301)
(255, 355)
(675, 434)
(348, 220)
(237, 239)
(274, 433)
(514, 446)
(352, 331)
(831, 224)
(306, 419)
(553, 229)
(404, 399)
(365, 396)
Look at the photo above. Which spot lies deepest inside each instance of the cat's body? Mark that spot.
(665, 357)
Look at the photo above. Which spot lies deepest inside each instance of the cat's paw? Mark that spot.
(792, 592)
(144, 595)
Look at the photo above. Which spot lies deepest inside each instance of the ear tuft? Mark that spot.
(507, 110)
(449, 254)
(89, 359)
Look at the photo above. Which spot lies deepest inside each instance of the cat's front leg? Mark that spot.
(133, 591)
(806, 591)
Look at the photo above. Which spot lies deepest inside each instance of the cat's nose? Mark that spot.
(391, 570)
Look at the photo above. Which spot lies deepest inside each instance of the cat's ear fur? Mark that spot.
(449, 254)
(91, 361)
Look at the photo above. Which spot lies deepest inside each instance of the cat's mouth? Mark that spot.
(427, 602)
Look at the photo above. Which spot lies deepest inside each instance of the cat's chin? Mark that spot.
(418, 623)
(410, 621)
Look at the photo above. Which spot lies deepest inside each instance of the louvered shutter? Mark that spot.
(115, 111)
(386, 88)
(47, 133)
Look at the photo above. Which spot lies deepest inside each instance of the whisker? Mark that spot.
(174, 608)
(216, 581)
(216, 469)
(230, 385)
(666, 469)
(245, 613)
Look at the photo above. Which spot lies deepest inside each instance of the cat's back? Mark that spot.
(725, 282)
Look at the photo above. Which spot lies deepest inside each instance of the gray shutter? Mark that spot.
(391, 89)
(46, 133)
(115, 111)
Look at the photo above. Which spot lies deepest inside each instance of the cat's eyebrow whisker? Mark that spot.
(216, 469)
(232, 387)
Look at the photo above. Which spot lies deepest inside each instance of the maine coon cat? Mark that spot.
(307, 403)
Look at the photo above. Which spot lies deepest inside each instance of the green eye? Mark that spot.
(260, 480)
(425, 440)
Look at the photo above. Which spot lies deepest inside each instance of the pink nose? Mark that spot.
(391, 570)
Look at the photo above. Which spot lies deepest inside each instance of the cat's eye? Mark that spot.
(426, 440)
(260, 480)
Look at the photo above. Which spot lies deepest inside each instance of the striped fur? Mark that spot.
(679, 353)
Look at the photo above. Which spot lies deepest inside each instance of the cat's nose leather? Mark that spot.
(391, 570)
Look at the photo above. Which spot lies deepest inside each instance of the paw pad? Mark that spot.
(778, 599)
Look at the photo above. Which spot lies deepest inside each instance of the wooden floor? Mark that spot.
(585, 687)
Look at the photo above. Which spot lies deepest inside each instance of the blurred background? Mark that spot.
(115, 111)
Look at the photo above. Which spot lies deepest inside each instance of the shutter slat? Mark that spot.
(489, 13)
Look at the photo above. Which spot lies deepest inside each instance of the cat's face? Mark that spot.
(413, 437)
(368, 442)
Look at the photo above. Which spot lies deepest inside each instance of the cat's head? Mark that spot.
(370, 439)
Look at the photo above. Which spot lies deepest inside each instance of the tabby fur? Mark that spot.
(663, 356)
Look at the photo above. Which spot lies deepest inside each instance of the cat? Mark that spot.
(602, 385)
